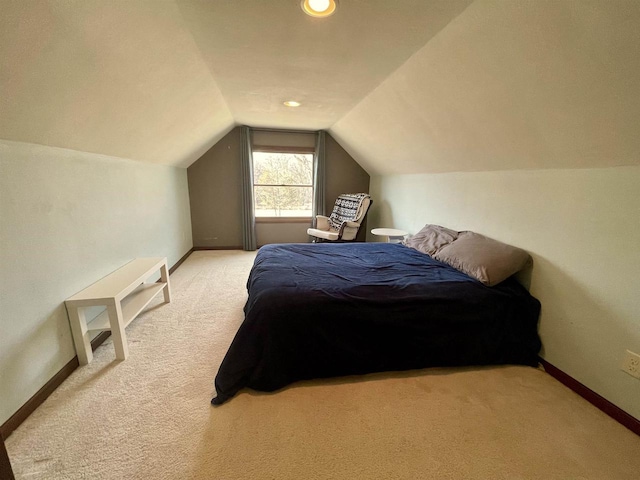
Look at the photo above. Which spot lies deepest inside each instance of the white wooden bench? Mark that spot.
(125, 295)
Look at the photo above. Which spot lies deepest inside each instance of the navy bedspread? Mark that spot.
(325, 310)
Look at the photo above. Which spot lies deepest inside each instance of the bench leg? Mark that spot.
(80, 334)
(164, 276)
(117, 330)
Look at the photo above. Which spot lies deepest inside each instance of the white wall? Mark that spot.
(582, 227)
(68, 218)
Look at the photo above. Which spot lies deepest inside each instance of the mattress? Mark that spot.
(326, 310)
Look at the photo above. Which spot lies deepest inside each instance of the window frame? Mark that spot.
(286, 150)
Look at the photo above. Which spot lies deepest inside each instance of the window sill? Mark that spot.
(283, 220)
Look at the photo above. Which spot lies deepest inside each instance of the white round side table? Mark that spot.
(393, 234)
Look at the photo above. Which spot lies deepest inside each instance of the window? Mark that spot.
(283, 184)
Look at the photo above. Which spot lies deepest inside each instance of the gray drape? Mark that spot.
(319, 176)
(248, 213)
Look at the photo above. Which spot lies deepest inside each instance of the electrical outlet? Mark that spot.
(631, 364)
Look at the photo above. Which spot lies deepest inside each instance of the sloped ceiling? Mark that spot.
(119, 78)
(509, 85)
(405, 86)
(262, 53)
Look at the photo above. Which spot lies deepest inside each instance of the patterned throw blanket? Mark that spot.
(346, 209)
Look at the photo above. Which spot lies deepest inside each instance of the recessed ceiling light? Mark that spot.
(319, 8)
(292, 103)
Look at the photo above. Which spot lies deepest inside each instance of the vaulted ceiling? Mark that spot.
(405, 86)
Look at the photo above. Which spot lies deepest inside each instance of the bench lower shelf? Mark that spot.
(132, 305)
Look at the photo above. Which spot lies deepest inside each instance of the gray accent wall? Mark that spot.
(215, 194)
(67, 219)
(214, 190)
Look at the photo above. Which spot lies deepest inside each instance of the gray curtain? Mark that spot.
(248, 213)
(319, 176)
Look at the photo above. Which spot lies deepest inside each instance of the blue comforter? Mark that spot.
(324, 310)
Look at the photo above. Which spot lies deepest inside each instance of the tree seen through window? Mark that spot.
(283, 184)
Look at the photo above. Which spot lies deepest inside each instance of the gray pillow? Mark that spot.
(483, 258)
(431, 239)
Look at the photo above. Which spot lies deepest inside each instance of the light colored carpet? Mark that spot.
(149, 417)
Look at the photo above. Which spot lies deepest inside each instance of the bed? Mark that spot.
(327, 310)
